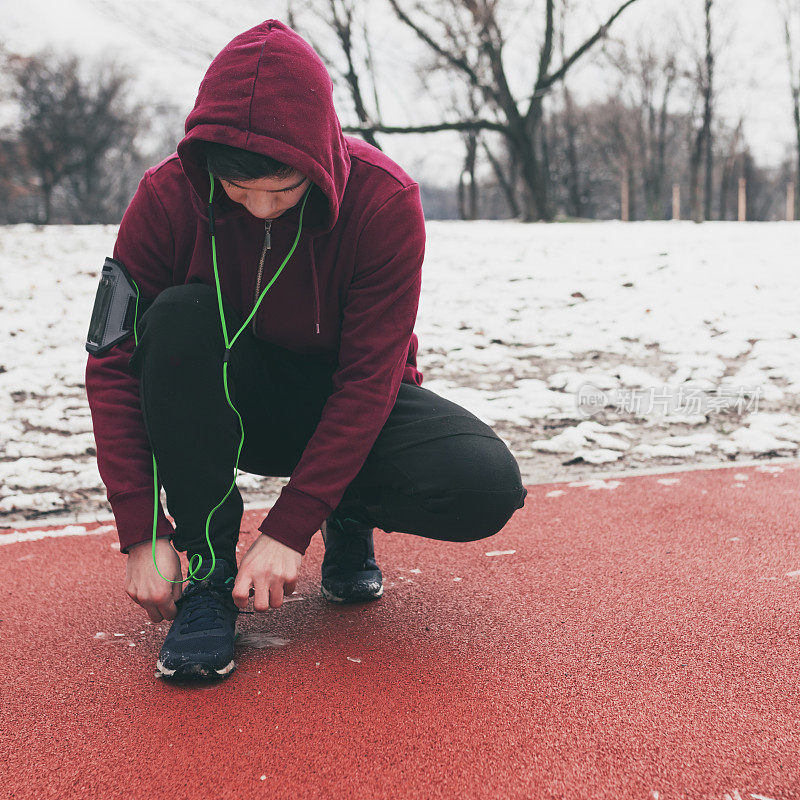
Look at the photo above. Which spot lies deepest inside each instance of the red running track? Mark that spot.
(640, 641)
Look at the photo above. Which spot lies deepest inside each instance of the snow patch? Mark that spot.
(597, 483)
(31, 536)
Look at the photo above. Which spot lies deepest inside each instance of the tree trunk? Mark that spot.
(533, 175)
(573, 171)
(694, 177)
(467, 188)
(707, 114)
(47, 193)
(507, 185)
(796, 103)
(724, 188)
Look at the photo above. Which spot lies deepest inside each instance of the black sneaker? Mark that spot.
(200, 642)
(350, 573)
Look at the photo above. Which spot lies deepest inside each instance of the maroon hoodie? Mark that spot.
(351, 288)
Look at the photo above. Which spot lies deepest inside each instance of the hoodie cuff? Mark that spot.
(295, 518)
(133, 513)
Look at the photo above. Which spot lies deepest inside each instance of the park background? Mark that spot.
(592, 346)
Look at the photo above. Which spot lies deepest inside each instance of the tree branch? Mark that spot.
(546, 53)
(456, 61)
(544, 84)
(466, 125)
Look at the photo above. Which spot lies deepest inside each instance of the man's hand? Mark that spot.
(272, 569)
(146, 587)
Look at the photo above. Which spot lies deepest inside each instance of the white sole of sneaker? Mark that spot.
(192, 671)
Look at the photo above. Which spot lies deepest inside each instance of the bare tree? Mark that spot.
(47, 98)
(106, 133)
(790, 15)
(701, 135)
(729, 168)
(608, 140)
(708, 110)
(467, 190)
(604, 148)
(647, 80)
(467, 37)
(339, 17)
(467, 179)
(16, 202)
(69, 130)
(570, 126)
(507, 181)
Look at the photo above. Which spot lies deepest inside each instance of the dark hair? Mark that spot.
(235, 164)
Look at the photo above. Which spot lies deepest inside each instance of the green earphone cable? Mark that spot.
(228, 344)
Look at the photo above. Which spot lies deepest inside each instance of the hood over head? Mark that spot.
(268, 91)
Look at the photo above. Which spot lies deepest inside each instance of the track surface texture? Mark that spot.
(635, 637)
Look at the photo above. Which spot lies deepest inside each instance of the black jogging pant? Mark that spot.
(435, 469)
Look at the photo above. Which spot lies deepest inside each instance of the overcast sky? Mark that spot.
(170, 45)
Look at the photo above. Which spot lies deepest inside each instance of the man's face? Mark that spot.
(267, 198)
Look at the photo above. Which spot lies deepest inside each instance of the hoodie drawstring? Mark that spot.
(316, 292)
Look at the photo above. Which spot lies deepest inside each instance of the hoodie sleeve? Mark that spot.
(124, 459)
(378, 321)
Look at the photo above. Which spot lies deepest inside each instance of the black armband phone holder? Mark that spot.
(115, 308)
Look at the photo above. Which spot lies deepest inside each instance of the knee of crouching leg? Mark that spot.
(474, 514)
(189, 294)
(487, 513)
(182, 308)
(479, 491)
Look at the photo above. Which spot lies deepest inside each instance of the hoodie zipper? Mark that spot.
(267, 246)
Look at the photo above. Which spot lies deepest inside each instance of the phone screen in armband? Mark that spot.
(114, 309)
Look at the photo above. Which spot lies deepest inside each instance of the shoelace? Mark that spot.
(200, 612)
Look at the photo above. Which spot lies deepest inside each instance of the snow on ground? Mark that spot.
(588, 347)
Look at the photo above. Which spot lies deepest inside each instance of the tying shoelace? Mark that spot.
(199, 613)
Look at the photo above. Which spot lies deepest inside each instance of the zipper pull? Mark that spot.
(267, 226)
